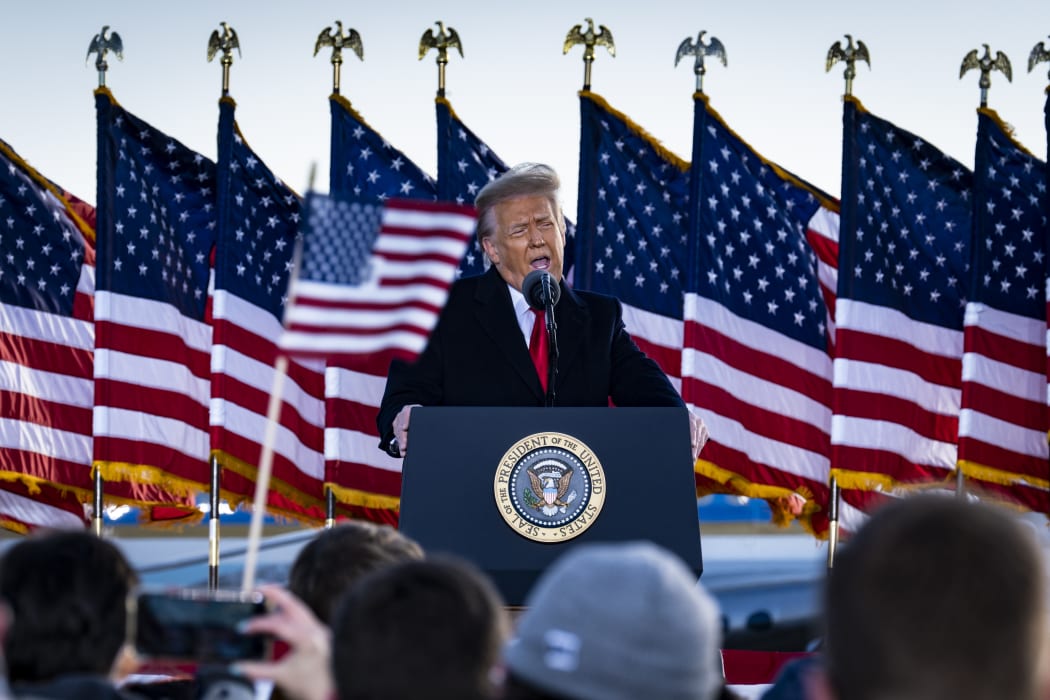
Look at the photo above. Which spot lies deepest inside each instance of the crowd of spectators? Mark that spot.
(935, 598)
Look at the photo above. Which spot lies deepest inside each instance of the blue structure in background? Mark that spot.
(711, 509)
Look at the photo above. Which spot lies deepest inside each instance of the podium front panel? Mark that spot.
(448, 504)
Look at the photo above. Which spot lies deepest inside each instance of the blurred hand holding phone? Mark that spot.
(196, 626)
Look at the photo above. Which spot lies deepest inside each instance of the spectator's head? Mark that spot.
(331, 562)
(68, 594)
(616, 622)
(936, 598)
(418, 629)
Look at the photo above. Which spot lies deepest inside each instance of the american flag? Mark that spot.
(632, 206)
(156, 230)
(905, 246)
(1003, 424)
(756, 363)
(258, 217)
(47, 286)
(465, 165)
(46, 340)
(364, 165)
(373, 280)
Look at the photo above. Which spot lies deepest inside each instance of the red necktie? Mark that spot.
(538, 350)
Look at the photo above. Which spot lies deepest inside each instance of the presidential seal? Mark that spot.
(549, 487)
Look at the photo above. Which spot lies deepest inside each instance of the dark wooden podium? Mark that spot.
(448, 503)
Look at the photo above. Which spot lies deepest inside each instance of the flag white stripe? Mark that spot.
(890, 323)
(146, 314)
(32, 437)
(32, 512)
(995, 431)
(775, 454)
(713, 315)
(346, 445)
(48, 386)
(151, 372)
(1003, 377)
(892, 437)
(40, 325)
(158, 430)
(890, 381)
(252, 425)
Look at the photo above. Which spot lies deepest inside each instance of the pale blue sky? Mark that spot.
(514, 87)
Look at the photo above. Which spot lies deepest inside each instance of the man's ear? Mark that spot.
(817, 684)
(490, 249)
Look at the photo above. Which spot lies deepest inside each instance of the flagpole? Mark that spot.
(213, 524)
(833, 520)
(96, 518)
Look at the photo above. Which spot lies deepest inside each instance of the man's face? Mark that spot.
(528, 237)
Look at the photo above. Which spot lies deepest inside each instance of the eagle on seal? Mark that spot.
(550, 490)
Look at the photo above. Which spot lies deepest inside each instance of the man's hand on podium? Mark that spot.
(401, 428)
(698, 434)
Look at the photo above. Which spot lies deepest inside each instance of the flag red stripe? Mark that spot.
(883, 407)
(775, 426)
(890, 464)
(757, 363)
(350, 305)
(257, 401)
(359, 331)
(285, 470)
(738, 462)
(1003, 459)
(45, 355)
(1009, 351)
(363, 477)
(163, 457)
(154, 345)
(1007, 407)
(51, 415)
(152, 401)
(880, 350)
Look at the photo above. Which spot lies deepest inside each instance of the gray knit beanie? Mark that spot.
(619, 622)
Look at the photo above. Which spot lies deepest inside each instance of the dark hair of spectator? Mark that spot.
(427, 629)
(331, 562)
(68, 595)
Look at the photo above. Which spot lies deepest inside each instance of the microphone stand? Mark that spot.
(552, 338)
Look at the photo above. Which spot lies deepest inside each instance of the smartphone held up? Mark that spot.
(196, 625)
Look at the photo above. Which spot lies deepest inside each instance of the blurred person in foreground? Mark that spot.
(331, 562)
(416, 630)
(936, 598)
(67, 592)
(479, 354)
(618, 621)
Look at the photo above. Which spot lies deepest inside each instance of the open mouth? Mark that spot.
(541, 263)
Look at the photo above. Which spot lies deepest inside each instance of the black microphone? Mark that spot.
(540, 289)
(543, 292)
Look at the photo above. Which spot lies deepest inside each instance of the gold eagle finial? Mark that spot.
(102, 44)
(1039, 54)
(226, 42)
(849, 54)
(589, 39)
(442, 41)
(339, 41)
(986, 64)
(713, 48)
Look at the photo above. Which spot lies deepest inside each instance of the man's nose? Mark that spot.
(535, 235)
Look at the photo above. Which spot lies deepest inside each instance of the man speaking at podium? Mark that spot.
(517, 335)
